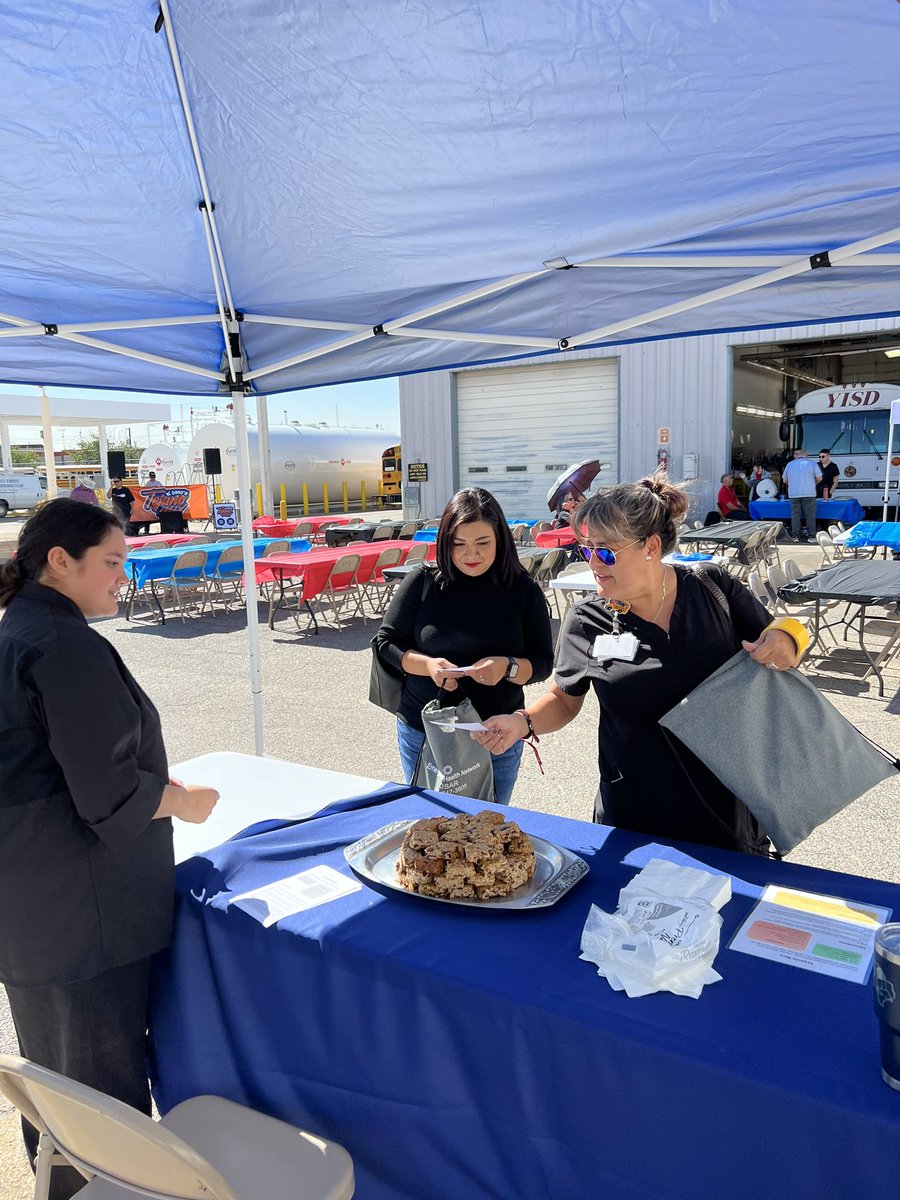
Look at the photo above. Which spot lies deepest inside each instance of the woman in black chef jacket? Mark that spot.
(86, 861)
(672, 634)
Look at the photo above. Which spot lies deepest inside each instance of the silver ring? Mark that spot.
(772, 667)
(481, 679)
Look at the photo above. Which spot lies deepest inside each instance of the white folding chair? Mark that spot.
(761, 590)
(303, 529)
(377, 583)
(340, 586)
(383, 532)
(206, 1148)
(187, 583)
(827, 547)
(417, 552)
(793, 570)
(225, 581)
(278, 546)
(407, 530)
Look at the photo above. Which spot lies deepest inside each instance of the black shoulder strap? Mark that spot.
(715, 591)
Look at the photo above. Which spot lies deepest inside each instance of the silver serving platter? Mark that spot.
(556, 870)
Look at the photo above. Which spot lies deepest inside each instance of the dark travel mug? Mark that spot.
(887, 1000)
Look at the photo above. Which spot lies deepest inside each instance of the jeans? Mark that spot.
(506, 765)
(803, 508)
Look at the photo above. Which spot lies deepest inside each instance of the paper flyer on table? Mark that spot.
(285, 897)
(641, 855)
(825, 934)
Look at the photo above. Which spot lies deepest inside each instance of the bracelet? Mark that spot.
(795, 631)
(520, 712)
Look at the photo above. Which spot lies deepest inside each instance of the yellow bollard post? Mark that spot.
(381, 493)
(260, 511)
(218, 494)
(305, 500)
(362, 495)
(345, 495)
(283, 505)
(325, 507)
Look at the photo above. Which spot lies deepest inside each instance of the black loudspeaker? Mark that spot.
(212, 461)
(115, 462)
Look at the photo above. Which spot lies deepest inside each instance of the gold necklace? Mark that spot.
(662, 598)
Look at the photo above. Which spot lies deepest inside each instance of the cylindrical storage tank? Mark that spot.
(167, 459)
(301, 454)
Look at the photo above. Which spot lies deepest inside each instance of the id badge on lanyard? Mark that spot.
(615, 645)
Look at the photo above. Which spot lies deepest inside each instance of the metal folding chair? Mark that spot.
(188, 580)
(378, 589)
(225, 580)
(206, 1148)
(340, 587)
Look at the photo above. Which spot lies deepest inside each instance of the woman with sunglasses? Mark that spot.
(475, 622)
(651, 635)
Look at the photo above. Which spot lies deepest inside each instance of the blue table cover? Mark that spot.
(145, 565)
(875, 533)
(849, 511)
(470, 1055)
(425, 535)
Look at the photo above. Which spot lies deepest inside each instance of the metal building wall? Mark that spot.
(682, 384)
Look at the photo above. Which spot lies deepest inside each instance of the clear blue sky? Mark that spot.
(372, 403)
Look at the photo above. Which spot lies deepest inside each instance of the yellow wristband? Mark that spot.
(794, 629)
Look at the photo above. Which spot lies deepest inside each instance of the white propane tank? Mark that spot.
(167, 459)
(299, 454)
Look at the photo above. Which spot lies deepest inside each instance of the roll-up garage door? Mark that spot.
(519, 427)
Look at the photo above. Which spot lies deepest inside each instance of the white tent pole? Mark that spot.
(49, 460)
(5, 446)
(265, 453)
(33, 329)
(242, 445)
(127, 352)
(208, 205)
(797, 267)
(488, 289)
(103, 448)
(494, 339)
(887, 468)
(717, 261)
(214, 269)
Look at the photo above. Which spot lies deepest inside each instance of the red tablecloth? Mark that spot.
(159, 539)
(555, 537)
(314, 566)
(274, 527)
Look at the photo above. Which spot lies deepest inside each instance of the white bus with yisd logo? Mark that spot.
(851, 422)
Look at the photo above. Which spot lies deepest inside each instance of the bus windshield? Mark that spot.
(859, 433)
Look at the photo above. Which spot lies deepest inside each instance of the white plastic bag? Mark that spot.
(664, 936)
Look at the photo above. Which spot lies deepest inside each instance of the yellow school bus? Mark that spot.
(391, 475)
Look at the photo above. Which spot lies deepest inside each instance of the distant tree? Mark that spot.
(25, 458)
(88, 450)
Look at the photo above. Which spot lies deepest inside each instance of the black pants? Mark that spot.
(95, 1032)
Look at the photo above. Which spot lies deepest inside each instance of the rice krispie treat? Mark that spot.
(481, 857)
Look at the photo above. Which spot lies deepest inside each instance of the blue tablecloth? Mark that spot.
(425, 535)
(471, 1055)
(875, 533)
(142, 566)
(849, 511)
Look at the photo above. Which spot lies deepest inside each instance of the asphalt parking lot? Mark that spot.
(316, 712)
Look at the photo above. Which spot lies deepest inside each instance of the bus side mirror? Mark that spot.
(784, 431)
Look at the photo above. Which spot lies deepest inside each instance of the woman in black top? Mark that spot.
(86, 862)
(477, 610)
(672, 634)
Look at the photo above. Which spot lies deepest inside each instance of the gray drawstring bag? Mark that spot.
(453, 762)
(786, 752)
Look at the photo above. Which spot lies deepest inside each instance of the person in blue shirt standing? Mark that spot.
(801, 477)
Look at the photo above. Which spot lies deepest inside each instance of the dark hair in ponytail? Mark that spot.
(635, 511)
(67, 523)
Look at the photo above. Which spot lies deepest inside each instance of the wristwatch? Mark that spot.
(513, 669)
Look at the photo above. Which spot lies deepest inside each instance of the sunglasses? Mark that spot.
(604, 554)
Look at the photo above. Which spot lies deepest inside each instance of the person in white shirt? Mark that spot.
(800, 477)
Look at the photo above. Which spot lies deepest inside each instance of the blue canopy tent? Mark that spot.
(241, 196)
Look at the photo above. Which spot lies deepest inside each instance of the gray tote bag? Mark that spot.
(453, 762)
(779, 746)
